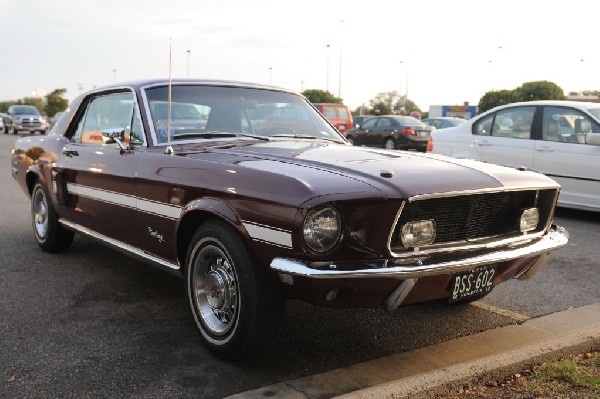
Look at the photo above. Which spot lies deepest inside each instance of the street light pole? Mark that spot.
(114, 75)
(188, 63)
(341, 41)
(270, 74)
(327, 73)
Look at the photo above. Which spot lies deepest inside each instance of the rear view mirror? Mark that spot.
(582, 126)
(115, 135)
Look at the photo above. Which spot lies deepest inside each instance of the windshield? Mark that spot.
(198, 112)
(25, 110)
(595, 112)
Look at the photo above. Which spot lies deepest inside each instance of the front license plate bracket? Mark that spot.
(472, 283)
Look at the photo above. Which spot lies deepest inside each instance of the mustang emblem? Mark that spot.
(155, 234)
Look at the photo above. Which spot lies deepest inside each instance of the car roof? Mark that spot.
(139, 84)
(574, 104)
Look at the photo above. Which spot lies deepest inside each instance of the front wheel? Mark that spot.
(50, 235)
(350, 139)
(236, 307)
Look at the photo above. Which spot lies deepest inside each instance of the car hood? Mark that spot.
(329, 167)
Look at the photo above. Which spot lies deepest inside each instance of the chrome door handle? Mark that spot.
(484, 143)
(544, 149)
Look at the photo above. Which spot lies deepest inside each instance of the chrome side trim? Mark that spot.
(557, 238)
(120, 246)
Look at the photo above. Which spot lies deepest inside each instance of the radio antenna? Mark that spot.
(169, 150)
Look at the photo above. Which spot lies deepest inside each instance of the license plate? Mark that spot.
(474, 282)
(423, 134)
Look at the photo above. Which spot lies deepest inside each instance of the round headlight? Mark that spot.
(322, 228)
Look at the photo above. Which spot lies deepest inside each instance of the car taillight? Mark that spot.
(409, 131)
(429, 145)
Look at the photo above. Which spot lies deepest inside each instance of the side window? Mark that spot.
(369, 124)
(384, 122)
(566, 125)
(514, 123)
(343, 113)
(112, 111)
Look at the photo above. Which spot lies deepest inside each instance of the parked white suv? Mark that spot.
(558, 138)
(27, 118)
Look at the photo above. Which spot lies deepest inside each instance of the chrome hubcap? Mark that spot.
(389, 144)
(215, 290)
(40, 214)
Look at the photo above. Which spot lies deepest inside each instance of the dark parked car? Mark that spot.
(250, 215)
(444, 122)
(391, 132)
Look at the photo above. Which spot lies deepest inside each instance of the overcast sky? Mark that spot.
(441, 51)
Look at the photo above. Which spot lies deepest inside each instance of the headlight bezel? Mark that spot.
(311, 236)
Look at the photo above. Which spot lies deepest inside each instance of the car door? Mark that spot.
(363, 133)
(562, 153)
(96, 175)
(505, 137)
(382, 131)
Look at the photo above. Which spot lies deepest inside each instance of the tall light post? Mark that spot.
(340, 81)
(327, 73)
(188, 62)
(114, 75)
(270, 75)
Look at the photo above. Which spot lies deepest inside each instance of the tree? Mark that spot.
(529, 91)
(35, 101)
(493, 99)
(391, 102)
(540, 90)
(55, 102)
(321, 96)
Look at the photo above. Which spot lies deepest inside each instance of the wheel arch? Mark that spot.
(199, 212)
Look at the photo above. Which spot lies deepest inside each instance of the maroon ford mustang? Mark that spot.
(261, 200)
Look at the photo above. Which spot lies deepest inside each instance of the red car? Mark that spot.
(251, 211)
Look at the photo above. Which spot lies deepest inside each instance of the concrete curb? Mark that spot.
(441, 368)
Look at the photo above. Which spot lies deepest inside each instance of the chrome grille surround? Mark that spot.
(475, 219)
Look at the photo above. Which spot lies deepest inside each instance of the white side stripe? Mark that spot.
(128, 201)
(268, 234)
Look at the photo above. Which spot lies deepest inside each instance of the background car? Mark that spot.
(338, 114)
(27, 118)
(391, 132)
(558, 138)
(444, 122)
(4, 122)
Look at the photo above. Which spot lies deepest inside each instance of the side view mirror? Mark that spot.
(115, 135)
(582, 126)
(592, 138)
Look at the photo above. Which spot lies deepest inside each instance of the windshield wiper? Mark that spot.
(306, 136)
(215, 134)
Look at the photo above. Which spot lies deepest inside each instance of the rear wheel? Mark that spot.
(389, 144)
(236, 307)
(50, 235)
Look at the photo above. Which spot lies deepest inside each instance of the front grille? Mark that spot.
(476, 216)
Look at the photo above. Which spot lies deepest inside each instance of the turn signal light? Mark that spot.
(430, 145)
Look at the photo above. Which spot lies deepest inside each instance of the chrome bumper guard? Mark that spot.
(556, 238)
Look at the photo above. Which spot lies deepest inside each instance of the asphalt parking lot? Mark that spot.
(92, 322)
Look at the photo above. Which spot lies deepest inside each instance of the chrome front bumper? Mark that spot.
(556, 238)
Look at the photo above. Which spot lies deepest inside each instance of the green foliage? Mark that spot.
(49, 105)
(321, 96)
(391, 102)
(55, 102)
(540, 90)
(529, 91)
(493, 99)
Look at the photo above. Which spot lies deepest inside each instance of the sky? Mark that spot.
(439, 52)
